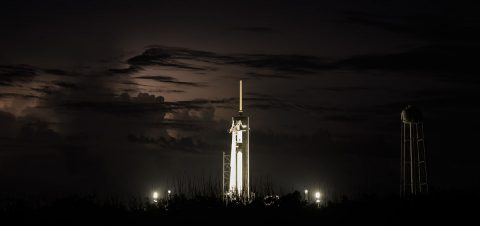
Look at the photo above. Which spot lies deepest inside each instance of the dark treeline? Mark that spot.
(448, 207)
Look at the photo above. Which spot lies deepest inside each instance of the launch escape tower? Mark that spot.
(413, 170)
(236, 167)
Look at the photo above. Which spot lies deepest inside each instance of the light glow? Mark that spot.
(239, 172)
(239, 136)
(233, 161)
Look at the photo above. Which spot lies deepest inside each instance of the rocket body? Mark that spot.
(239, 157)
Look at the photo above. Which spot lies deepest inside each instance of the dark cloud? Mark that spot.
(175, 57)
(256, 75)
(39, 132)
(441, 59)
(128, 70)
(186, 124)
(203, 103)
(99, 139)
(122, 105)
(68, 85)
(168, 79)
(300, 64)
(171, 57)
(445, 25)
(59, 72)
(254, 100)
(185, 144)
(173, 91)
(17, 95)
(47, 90)
(16, 73)
(457, 102)
(346, 88)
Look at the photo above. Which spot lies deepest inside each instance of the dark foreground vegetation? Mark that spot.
(452, 207)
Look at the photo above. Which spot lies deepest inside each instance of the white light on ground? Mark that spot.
(169, 192)
(317, 198)
(306, 191)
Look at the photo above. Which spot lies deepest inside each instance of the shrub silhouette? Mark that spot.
(289, 208)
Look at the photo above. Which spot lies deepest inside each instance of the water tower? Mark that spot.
(413, 170)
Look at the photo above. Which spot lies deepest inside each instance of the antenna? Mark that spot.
(240, 105)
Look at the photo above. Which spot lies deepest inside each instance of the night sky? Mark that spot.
(125, 96)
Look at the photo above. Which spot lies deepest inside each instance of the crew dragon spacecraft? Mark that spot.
(237, 184)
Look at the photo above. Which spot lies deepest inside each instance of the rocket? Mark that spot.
(239, 183)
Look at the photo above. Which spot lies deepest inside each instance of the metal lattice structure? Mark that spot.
(225, 176)
(413, 170)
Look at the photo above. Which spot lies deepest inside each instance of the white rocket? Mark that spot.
(239, 184)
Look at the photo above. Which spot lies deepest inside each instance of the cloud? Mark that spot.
(346, 88)
(172, 57)
(128, 70)
(173, 91)
(10, 74)
(18, 95)
(46, 90)
(168, 79)
(121, 105)
(441, 59)
(199, 61)
(256, 75)
(38, 131)
(255, 101)
(58, 72)
(300, 64)
(67, 85)
(98, 138)
(445, 26)
(184, 144)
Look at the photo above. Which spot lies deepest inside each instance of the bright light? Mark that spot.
(239, 172)
(239, 136)
(155, 195)
(306, 191)
(169, 192)
(317, 201)
(233, 162)
(317, 195)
